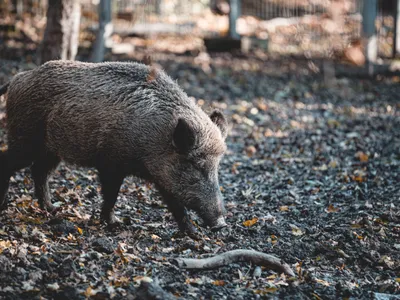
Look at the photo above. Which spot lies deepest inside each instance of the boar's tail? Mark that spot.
(4, 88)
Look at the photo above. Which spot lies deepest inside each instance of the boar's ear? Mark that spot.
(184, 137)
(218, 118)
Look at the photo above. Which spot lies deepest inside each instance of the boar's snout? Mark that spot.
(213, 214)
(219, 224)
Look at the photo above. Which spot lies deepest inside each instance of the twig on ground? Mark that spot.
(240, 255)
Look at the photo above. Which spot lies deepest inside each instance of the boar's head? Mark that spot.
(191, 170)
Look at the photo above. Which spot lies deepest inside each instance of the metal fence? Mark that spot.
(289, 26)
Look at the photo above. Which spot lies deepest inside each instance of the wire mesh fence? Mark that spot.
(287, 26)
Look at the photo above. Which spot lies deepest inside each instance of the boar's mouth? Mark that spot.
(215, 224)
(219, 224)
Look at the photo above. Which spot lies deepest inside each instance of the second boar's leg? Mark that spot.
(182, 218)
(180, 214)
(110, 184)
(10, 162)
(41, 170)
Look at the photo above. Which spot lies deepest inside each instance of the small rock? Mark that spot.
(44, 264)
(27, 285)
(5, 264)
(53, 286)
(35, 276)
(62, 226)
(69, 293)
(257, 272)
(151, 290)
(66, 268)
(381, 296)
(103, 245)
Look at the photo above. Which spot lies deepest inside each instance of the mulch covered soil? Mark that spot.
(311, 175)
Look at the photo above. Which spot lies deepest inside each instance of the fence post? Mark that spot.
(103, 32)
(396, 29)
(369, 32)
(234, 14)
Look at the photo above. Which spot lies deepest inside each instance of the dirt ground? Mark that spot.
(311, 175)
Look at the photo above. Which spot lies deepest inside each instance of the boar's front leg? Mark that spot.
(182, 218)
(41, 170)
(180, 214)
(110, 184)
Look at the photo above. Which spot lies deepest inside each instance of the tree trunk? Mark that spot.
(61, 35)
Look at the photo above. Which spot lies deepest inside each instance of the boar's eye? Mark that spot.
(184, 137)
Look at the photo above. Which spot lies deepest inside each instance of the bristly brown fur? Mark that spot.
(119, 118)
(152, 74)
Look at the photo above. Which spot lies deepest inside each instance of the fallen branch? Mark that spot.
(234, 256)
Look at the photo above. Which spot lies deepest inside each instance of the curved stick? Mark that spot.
(240, 255)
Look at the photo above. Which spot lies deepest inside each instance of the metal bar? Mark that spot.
(234, 14)
(104, 31)
(369, 32)
(396, 29)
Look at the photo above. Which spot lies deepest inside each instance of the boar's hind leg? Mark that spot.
(10, 162)
(110, 185)
(41, 170)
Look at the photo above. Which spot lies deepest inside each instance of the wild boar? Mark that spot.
(122, 119)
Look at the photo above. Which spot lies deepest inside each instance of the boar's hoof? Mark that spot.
(219, 224)
(49, 207)
(186, 227)
(3, 205)
(111, 220)
(190, 232)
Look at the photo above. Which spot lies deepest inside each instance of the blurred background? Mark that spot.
(312, 171)
(303, 28)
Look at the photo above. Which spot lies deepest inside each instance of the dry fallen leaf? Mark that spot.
(323, 282)
(195, 281)
(358, 178)
(80, 230)
(361, 156)
(274, 239)
(316, 296)
(234, 167)
(88, 292)
(333, 164)
(296, 231)
(121, 281)
(155, 237)
(218, 282)
(284, 208)
(266, 291)
(250, 151)
(53, 286)
(4, 245)
(139, 279)
(360, 237)
(298, 268)
(251, 222)
(332, 209)
(333, 123)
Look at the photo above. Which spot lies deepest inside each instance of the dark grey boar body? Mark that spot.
(123, 119)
